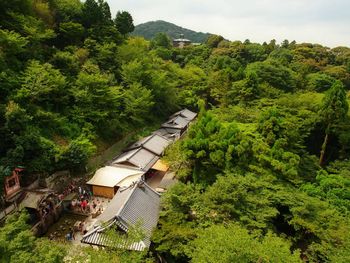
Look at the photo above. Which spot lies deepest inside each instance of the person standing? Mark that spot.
(83, 205)
(71, 233)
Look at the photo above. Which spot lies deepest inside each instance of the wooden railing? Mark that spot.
(8, 210)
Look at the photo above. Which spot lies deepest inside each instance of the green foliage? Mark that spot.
(246, 199)
(43, 86)
(332, 187)
(209, 148)
(252, 190)
(274, 74)
(66, 62)
(71, 33)
(214, 40)
(319, 82)
(76, 155)
(233, 243)
(67, 10)
(17, 243)
(161, 40)
(333, 112)
(124, 22)
(150, 29)
(12, 44)
(334, 106)
(138, 101)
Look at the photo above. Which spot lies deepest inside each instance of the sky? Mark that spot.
(326, 22)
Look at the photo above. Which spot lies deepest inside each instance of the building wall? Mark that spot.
(12, 184)
(103, 191)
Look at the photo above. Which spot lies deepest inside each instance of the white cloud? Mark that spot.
(317, 21)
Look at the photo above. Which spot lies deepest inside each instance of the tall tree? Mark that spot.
(161, 40)
(124, 22)
(334, 110)
(233, 243)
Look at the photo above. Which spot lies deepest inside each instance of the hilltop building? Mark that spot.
(181, 42)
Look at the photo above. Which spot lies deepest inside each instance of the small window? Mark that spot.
(12, 182)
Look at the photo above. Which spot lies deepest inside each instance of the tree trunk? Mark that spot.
(323, 149)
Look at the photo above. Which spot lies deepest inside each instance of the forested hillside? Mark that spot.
(150, 29)
(264, 171)
(70, 77)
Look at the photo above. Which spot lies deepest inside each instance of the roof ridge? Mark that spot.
(136, 185)
(135, 151)
(162, 137)
(148, 138)
(150, 188)
(127, 199)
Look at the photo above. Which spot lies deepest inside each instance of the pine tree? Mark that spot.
(334, 110)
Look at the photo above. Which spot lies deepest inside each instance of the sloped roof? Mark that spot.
(140, 158)
(137, 204)
(32, 200)
(99, 237)
(111, 176)
(181, 40)
(160, 166)
(169, 133)
(177, 122)
(154, 143)
(186, 113)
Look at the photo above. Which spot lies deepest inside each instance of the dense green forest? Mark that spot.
(264, 171)
(150, 29)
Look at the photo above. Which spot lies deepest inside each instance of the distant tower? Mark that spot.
(181, 42)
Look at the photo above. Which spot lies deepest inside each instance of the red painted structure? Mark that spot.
(12, 184)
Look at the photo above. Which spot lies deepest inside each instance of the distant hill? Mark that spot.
(150, 29)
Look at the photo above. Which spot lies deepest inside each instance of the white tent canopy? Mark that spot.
(110, 176)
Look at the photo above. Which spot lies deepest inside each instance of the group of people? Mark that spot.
(70, 189)
(84, 203)
(46, 207)
(81, 205)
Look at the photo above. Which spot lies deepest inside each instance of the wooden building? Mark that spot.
(12, 183)
(107, 180)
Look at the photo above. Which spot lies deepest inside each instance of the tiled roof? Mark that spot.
(177, 122)
(169, 133)
(138, 204)
(139, 158)
(154, 143)
(186, 113)
(100, 237)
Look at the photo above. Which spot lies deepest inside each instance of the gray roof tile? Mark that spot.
(138, 204)
(186, 113)
(177, 122)
(170, 134)
(154, 143)
(139, 158)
